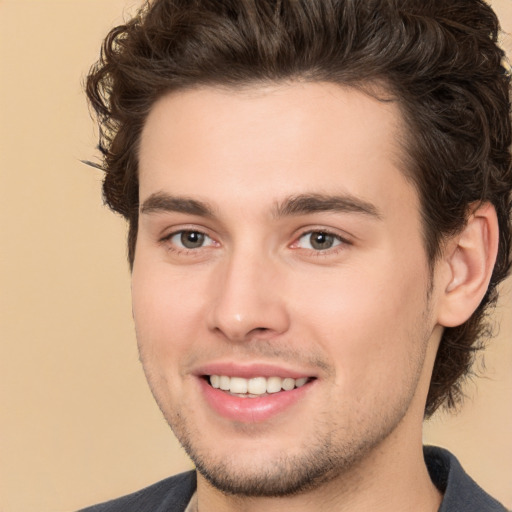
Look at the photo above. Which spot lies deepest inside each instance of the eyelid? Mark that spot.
(341, 235)
(179, 234)
(170, 231)
(343, 239)
(166, 239)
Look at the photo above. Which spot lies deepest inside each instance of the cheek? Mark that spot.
(166, 309)
(357, 301)
(369, 320)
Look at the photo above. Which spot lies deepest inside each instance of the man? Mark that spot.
(318, 194)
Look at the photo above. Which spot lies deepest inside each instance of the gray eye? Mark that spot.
(189, 239)
(318, 241)
(192, 239)
(321, 241)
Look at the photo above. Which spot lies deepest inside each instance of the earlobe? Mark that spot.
(469, 261)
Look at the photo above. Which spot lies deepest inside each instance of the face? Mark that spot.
(280, 283)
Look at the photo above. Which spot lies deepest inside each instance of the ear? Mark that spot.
(467, 263)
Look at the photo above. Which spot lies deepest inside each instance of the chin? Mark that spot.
(261, 471)
(276, 477)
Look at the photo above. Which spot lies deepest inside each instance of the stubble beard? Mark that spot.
(280, 476)
(332, 451)
(334, 454)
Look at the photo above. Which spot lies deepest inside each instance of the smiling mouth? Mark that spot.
(255, 387)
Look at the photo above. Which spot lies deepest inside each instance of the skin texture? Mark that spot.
(362, 318)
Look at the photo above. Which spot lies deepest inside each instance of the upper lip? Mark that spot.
(249, 371)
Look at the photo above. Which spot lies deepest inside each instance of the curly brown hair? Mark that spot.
(438, 59)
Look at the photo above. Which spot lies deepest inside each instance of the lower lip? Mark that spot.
(251, 410)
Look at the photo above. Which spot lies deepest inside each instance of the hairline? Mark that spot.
(378, 88)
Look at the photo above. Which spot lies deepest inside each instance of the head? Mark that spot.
(438, 61)
(409, 85)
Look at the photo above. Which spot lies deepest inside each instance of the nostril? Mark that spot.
(259, 330)
(240, 322)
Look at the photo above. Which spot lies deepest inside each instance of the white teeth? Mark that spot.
(238, 385)
(224, 383)
(256, 385)
(300, 382)
(274, 384)
(288, 384)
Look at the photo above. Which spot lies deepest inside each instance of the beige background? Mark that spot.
(77, 422)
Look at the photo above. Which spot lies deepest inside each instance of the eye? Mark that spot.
(190, 239)
(318, 241)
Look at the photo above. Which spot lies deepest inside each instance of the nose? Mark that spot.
(249, 302)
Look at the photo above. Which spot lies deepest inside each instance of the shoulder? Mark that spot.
(461, 492)
(173, 493)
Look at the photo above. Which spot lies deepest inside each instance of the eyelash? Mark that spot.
(172, 247)
(343, 242)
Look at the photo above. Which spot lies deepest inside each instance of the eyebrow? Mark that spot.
(302, 204)
(162, 202)
(313, 203)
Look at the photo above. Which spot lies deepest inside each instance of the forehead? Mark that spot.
(263, 142)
